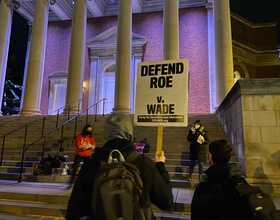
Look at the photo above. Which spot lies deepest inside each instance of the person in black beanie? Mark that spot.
(215, 197)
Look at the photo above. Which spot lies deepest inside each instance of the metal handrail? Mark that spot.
(43, 138)
(28, 124)
(20, 127)
(4, 136)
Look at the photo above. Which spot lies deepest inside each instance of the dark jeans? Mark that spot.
(195, 162)
(76, 166)
(196, 158)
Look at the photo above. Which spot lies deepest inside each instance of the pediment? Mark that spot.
(108, 39)
(58, 75)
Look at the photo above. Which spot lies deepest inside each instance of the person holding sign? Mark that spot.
(197, 137)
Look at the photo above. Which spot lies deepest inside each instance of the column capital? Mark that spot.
(209, 4)
(12, 4)
(52, 2)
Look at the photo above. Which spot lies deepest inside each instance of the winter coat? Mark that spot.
(195, 147)
(154, 176)
(216, 198)
(84, 145)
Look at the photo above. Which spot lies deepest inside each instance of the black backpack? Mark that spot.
(259, 204)
(118, 191)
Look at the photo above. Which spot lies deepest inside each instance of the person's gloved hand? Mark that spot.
(160, 157)
(193, 130)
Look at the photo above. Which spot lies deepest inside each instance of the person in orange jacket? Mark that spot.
(84, 147)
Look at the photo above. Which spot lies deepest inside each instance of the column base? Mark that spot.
(30, 112)
(121, 110)
(71, 111)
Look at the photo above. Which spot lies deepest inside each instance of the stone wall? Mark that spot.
(250, 115)
(230, 116)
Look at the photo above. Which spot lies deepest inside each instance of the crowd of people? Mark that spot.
(118, 181)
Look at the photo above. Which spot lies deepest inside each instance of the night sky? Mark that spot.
(257, 10)
(253, 10)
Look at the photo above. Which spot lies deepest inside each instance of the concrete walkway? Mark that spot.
(181, 196)
(34, 188)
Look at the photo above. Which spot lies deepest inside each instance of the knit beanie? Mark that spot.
(119, 125)
(221, 151)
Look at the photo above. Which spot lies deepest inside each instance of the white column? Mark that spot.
(5, 34)
(122, 91)
(211, 59)
(77, 57)
(223, 45)
(34, 80)
(171, 29)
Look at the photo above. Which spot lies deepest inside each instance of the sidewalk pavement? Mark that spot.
(34, 188)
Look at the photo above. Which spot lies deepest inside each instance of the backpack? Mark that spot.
(44, 167)
(259, 204)
(118, 191)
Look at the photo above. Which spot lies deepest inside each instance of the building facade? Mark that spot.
(78, 62)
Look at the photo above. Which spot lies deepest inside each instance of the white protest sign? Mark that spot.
(162, 94)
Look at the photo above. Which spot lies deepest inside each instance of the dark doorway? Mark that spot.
(16, 65)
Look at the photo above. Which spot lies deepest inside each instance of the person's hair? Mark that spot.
(197, 122)
(221, 151)
(84, 131)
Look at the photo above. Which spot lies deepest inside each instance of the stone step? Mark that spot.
(164, 215)
(28, 217)
(17, 157)
(173, 170)
(22, 208)
(17, 162)
(30, 210)
(71, 151)
(179, 180)
(35, 198)
(14, 169)
(43, 197)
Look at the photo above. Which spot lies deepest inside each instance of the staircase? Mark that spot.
(52, 198)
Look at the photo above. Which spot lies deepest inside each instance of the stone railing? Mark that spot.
(250, 115)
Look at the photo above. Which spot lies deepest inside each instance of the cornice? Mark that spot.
(253, 24)
(256, 57)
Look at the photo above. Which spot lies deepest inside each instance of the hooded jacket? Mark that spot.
(216, 197)
(154, 176)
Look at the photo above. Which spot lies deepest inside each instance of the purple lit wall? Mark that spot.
(193, 46)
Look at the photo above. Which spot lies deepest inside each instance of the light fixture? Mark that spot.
(85, 85)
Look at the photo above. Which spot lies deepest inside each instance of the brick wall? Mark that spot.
(193, 46)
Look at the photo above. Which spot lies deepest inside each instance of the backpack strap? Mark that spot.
(132, 156)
